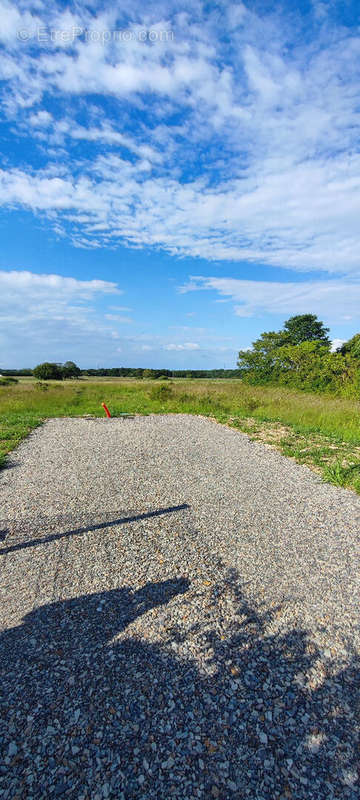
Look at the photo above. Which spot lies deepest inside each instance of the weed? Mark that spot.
(161, 393)
(251, 404)
(336, 473)
(340, 474)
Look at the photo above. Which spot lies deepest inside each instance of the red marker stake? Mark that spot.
(107, 412)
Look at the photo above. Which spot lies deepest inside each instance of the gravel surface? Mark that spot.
(179, 617)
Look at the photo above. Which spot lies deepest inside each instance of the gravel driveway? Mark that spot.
(179, 617)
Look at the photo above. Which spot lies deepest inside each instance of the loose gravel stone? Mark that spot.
(179, 616)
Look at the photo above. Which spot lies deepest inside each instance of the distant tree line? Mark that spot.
(53, 371)
(299, 356)
(139, 372)
(17, 372)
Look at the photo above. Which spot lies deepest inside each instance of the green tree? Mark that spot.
(268, 359)
(48, 371)
(305, 328)
(258, 364)
(306, 366)
(352, 346)
(70, 370)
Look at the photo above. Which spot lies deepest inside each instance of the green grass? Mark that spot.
(316, 430)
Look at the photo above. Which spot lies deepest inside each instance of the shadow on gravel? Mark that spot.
(3, 532)
(52, 537)
(89, 717)
(8, 463)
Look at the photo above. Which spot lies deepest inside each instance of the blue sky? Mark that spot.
(175, 180)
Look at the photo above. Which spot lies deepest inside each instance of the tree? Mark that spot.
(48, 371)
(305, 328)
(352, 346)
(70, 370)
(306, 366)
(264, 361)
(260, 361)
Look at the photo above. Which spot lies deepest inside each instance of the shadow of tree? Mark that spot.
(88, 715)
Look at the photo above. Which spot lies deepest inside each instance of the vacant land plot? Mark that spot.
(179, 615)
(318, 430)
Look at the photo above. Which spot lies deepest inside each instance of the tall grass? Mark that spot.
(26, 404)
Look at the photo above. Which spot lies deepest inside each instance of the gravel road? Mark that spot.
(179, 617)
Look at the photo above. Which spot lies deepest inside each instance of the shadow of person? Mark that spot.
(89, 715)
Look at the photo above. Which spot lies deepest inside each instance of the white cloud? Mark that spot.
(49, 317)
(275, 113)
(43, 287)
(304, 219)
(336, 343)
(334, 300)
(13, 21)
(105, 133)
(118, 318)
(184, 346)
(52, 318)
(42, 119)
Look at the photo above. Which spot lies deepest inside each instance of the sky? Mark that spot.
(175, 178)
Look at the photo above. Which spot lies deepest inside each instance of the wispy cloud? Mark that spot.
(275, 111)
(16, 285)
(183, 346)
(334, 300)
(48, 317)
(118, 318)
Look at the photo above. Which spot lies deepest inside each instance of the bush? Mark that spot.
(161, 393)
(6, 381)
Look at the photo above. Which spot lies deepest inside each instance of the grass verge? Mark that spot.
(317, 430)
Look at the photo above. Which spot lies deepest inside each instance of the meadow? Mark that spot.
(318, 430)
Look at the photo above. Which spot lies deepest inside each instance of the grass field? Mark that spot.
(316, 430)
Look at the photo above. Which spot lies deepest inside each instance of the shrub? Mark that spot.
(7, 380)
